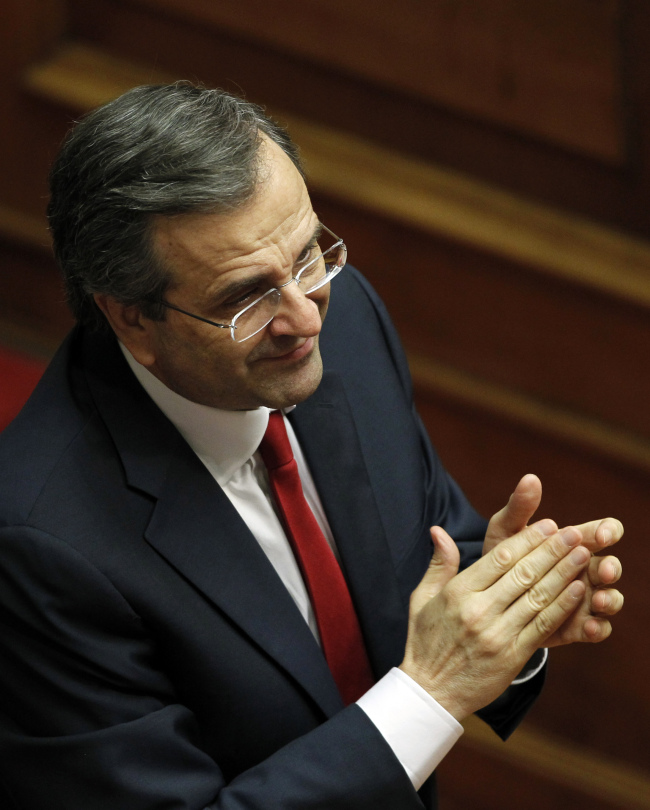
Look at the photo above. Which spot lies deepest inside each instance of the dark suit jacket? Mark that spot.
(150, 657)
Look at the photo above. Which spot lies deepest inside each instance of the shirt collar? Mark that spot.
(223, 440)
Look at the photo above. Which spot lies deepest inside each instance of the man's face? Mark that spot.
(220, 263)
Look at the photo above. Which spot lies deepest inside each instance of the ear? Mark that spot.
(131, 327)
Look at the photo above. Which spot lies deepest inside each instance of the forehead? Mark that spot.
(263, 233)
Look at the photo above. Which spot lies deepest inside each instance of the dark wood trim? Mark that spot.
(556, 760)
(403, 188)
(620, 196)
(603, 439)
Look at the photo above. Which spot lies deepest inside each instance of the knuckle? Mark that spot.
(502, 557)
(471, 616)
(524, 575)
(544, 624)
(491, 642)
(536, 599)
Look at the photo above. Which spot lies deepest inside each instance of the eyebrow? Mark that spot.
(239, 286)
(318, 230)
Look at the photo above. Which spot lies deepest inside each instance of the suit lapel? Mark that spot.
(325, 428)
(198, 531)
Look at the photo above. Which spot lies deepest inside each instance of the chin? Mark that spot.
(296, 390)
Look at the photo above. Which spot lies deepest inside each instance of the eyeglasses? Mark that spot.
(316, 272)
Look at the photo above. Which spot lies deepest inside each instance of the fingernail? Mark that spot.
(546, 527)
(570, 536)
(579, 556)
(575, 589)
(607, 537)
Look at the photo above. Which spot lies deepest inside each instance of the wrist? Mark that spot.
(439, 692)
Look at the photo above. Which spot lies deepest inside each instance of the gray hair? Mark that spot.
(156, 150)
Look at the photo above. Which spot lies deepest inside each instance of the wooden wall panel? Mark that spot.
(28, 138)
(548, 768)
(559, 342)
(470, 778)
(549, 68)
(31, 294)
(505, 155)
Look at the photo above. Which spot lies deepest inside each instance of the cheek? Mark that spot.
(231, 361)
(322, 299)
(195, 355)
(245, 355)
(205, 342)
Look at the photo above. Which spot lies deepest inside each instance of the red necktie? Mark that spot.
(337, 621)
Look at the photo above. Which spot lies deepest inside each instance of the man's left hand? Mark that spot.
(590, 622)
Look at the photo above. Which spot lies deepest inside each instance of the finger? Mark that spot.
(515, 515)
(607, 602)
(549, 620)
(491, 567)
(596, 629)
(591, 629)
(604, 570)
(442, 567)
(599, 534)
(538, 579)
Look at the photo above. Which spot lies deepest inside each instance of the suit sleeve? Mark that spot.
(447, 506)
(88, 719)
(446, 503)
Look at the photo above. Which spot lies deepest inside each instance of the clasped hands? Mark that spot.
(470, 633)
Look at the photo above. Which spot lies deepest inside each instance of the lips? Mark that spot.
(295, 354)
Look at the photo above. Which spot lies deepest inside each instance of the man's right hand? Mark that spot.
(470, 633)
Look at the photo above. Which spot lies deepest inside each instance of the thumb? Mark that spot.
(443, 566)
(514, 516)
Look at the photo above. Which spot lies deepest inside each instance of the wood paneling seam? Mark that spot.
(599, 436)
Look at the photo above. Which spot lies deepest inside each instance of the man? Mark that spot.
(166, 642)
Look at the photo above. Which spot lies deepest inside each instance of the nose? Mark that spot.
(297, 315)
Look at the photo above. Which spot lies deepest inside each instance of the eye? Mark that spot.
(241, 299)
(310, 252)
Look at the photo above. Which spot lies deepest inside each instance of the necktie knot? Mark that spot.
(275, 447)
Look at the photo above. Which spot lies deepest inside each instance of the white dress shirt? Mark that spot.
(417, 728)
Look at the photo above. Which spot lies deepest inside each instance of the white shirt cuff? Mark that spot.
(417, 728)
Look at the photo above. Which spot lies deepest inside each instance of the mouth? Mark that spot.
(295, 354)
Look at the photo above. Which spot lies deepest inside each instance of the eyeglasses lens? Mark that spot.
(314, 276)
